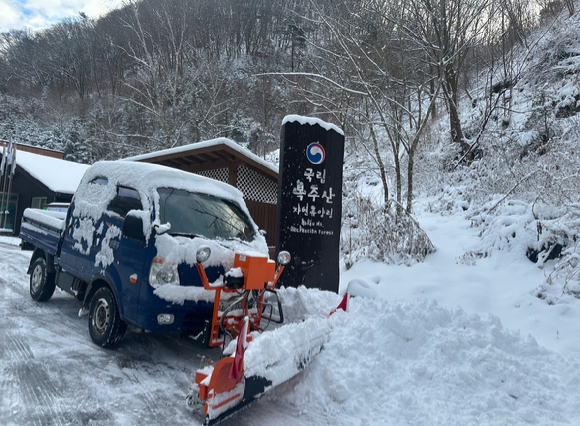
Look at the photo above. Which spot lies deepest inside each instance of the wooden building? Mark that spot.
(41, 177)
(224, 160)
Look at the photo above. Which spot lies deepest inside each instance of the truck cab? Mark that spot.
(127, 247)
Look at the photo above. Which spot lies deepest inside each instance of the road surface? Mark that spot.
(52, 374)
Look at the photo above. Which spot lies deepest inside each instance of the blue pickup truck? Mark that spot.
(128, 245)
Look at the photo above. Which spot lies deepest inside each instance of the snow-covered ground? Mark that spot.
(453, 341)
(501, 285)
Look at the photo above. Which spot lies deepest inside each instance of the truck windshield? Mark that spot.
(198, 214)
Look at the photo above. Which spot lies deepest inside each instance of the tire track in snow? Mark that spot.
(158, 379)
(37, 390)
(8, 390)
(38, 393)
(151, 400)
(15, 297)
(14, 262)
(18, 348)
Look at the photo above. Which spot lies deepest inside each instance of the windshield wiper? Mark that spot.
(185, 234)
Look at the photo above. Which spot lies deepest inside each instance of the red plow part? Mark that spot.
(221, 395)
(259, 276)
(243, 377)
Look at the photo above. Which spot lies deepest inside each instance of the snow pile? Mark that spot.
(450, 200)
(527, 228)
(384, 233)
(540, 232)
(301, 303)
(417, 363)
(563, 283)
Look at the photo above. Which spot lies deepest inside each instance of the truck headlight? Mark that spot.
(165, 319)
(284, 258)
(162, 273)
(203, 253)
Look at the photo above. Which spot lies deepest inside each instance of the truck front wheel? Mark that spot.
(41, 282)
(105, 325)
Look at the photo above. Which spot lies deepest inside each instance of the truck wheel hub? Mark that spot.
(101, 317)
(36, 278)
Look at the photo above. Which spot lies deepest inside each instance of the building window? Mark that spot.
(38, 202)
(7, 221)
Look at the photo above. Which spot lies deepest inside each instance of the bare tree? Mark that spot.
(446, 30)
(164, 79)
(383, 69)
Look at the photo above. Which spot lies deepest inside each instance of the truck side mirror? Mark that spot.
(133, 228)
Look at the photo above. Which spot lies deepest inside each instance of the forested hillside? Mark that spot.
(159, 74)
(473, 103)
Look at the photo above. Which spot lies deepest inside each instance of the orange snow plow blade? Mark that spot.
(220, 396)
(261, 360)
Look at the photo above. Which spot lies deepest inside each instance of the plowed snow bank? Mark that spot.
(420, 364)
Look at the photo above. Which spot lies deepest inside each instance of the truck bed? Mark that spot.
(42, 229)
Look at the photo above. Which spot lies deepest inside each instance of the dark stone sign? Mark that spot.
(310, 202)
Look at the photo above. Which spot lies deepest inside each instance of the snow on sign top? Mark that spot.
(312, 121)
(58, 175)
(205, 144)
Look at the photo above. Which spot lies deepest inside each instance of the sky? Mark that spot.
(39, 14)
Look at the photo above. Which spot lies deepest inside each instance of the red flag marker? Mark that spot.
(343, 305)
(237, 370)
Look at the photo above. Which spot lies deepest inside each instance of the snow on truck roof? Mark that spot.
(147, 177)
(57, 175)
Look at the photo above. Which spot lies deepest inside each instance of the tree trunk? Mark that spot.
(450, 89)
(381, 165)
(398, 183)
(410, 165)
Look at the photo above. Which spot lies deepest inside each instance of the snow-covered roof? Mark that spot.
(192, 148)
(57, 175)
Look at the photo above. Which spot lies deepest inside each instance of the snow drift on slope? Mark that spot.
(420, 364)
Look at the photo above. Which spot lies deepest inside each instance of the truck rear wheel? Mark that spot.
(105, 325)
(42, 283)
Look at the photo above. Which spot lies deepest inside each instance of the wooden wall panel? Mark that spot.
(265, 217)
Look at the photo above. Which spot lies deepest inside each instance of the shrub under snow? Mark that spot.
(383, 234)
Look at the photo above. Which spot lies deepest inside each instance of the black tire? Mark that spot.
(42, 283)
(105, 325)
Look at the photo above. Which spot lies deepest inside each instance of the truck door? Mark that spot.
(124, 255)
